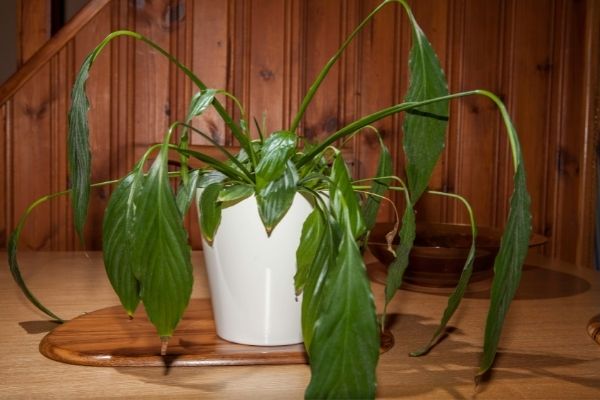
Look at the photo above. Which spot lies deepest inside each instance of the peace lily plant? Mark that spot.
(146, 249)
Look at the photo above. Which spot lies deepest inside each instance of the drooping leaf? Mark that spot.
(344, 201)
(160, 253)
(458, 293)
(316, 274)
(507, 266)
(380, 185)
(396, 269)
(210, 210)
(275, 199)
(345, 344)
(236, 192)
(80, 159)
(276, 151)
(424, 127)
(310, 241)
(15, 270)
(117, 246)
(186, 192)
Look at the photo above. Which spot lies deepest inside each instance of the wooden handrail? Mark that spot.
(51, 48)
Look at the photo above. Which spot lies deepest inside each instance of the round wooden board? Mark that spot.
(108, 338)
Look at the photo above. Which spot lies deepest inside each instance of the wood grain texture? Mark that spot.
(32, 13)
(540, 56)
(557, 362)
(4, 174)
(108, 338)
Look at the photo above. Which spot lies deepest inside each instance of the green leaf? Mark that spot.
(160, 251)
(345, 344)
(13, 263)
(210, 210)
(186, 192)
(458, 293)
(209, 177)
(398, 266)
(507, 266)
(80, 159)
(200, 102)
(275, 199)
(344, 201)
(235, 193)
(117, 245)
(310, 242)
(424, 127)
(276, 151)
(384, 168)
(316, 274)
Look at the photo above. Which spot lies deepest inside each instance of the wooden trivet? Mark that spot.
(108, 338)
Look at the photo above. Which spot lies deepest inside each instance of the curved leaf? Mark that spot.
(276, 151)
(161, 252)
(397, 268)
(458, 293)
(116, 243)
(344, 201)
(235, 193)
(275, 199)
(507, 266)
(210, 210)
(380, 185)
(310, 242)
(80, 159)
(186, 192)
(344, 349)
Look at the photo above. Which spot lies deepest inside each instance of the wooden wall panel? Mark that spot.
(33, 25)
(31, 165)
(4, 130)
(321, 37)
(536, 54)
(210, 53)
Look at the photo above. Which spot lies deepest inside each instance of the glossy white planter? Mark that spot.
(251, 275)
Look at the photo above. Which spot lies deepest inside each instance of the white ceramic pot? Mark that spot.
(251, 275)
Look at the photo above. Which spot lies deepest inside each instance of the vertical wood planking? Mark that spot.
(476, 151)
(32, 158)
(570, 146)
(268, 52)
(122, 92)
(61, 79)
(152, 110)
(294, 49)
(4, 224)
(322, 38)
(528, 76)
(210, 48)
(376, 89)
(585, 250)
(265, 79)
(33, 25)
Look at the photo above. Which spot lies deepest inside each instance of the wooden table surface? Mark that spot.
(545, 352)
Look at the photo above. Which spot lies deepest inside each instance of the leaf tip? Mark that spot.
(164, 344)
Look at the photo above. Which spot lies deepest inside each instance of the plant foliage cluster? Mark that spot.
(146, 249)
